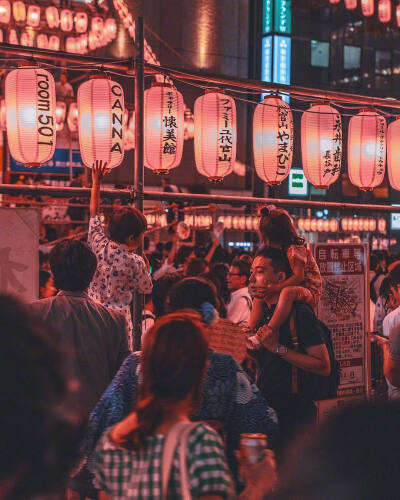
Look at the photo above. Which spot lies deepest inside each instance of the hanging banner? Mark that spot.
(344, 308)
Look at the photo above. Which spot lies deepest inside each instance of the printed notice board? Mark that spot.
(344, 308)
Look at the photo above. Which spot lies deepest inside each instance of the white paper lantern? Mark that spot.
(101, 111)
(26, 39)
(215, 134)
(13, 37)
(19, 11)
(33, 16)
(67, 20)
(5, 11)
(97, 25)
(110, 27)
(54, 42)
(72, 118)
(272, 140)
(52, 17)
(42, 41)
(61, 110)
(70, 44)
(81, 22)
(393, 154)
(3, 115)
(31, 125)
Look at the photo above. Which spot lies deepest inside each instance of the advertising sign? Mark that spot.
(59, 164)
(344, 308)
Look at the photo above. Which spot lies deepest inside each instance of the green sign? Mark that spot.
(267, 16)
(282, 16)
(298, 185)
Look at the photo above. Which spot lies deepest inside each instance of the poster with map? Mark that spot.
(344, 308)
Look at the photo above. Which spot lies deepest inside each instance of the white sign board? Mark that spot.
(19, 252)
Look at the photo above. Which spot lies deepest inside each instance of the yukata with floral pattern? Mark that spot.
(119, 272)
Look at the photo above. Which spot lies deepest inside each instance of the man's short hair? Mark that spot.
(183, 253)
(73, 265)
(394, 276)
(279, 260)
(243, 268)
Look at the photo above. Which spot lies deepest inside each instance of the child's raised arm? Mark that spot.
(98, 172)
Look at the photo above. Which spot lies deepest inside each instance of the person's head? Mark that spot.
(63, 78)
(191, 293)
(374, 263)
(239, 274)
(270, 266)
(160, 291)
(196, 267)
(247, 258)
(73, 265)
(386, 293)
(46, 285)
(354, 454)
(394, 282)
(277, 229)
(173, 365)
(126, 226)
(183, 255)
(40, 429)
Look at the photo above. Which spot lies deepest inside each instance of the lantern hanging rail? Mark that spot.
(65, 192)
(249, 84)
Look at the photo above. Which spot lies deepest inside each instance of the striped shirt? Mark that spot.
(126, 474)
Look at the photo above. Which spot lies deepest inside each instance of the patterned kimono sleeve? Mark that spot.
(297, 254)
(96, 235)
(139, 275)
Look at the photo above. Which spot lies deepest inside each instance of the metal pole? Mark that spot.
(138, 301)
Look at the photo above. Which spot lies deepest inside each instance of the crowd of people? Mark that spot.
(87, 416)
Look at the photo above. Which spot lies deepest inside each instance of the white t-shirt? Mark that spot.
(239, 307)
(391, 319)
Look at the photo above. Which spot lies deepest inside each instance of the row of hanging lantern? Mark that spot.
(348, 224)
(368, 9)
(31, 110)
(242, 222)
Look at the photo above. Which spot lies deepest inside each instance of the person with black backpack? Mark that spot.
(299, 367)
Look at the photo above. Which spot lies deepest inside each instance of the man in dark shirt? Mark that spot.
(95, 334)
(277, 357)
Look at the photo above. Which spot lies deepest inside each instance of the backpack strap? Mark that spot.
(295, 340)
(249, 302)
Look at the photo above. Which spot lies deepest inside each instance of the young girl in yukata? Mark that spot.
(119, 270)
(305, 284)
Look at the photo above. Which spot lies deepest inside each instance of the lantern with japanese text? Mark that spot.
(97, 25)
(101, 111)
(72, 117)
(393, 153)
(5, 11)
(31, 122)
(19, 11)
(398, 15)
(215, 134)
(350, 4)
(321, 144)
(273, 140)
(61, 110)
(33, 16)
(384, 10)
(66, 20)
(13, 37)
(54, 42)
(81, 22)
(52, 17)
(163, 128)
(367, 7)
(367, 149)
(42, 41)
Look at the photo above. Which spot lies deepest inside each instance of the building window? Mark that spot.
(383, 62)
(351, 57)
(319, 54)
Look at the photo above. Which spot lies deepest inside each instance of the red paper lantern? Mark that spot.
(393, 154)
(81, 22)
(70, 44)
(33, 16)
(163, 128)
(97, 25)
(66, 20)
(368, 7)
(52, 17)
(321, 144)
(101, 111)
(61, 110)
(13, 37)
(26, 39)
(350, 4)
(31, 125)
(367, 149)
(215, 134)
(398, 15)
(5, 11)
(42, 41)
(110, 28)
(54, 42)
(72, 118)
(273, 140)
(19, 11)
(384, 10)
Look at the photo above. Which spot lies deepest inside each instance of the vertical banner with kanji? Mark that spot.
(344, 308)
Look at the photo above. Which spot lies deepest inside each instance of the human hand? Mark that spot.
(270, 338)
(257, 292)
(260, 478)
(99, 170)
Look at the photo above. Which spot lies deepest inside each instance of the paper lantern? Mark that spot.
(26, 39)
(321, 145)
(33, 16)
(215, 134)
(31, 123)
(97, 25)
(84, 43)
(189, 124)
(382, 225)
(350, 4)
(367, 149)
(1, 36)
(42, 41)
(19, 11)
(52, 17)
(61, 111)
(398, 15)
(66, 20)
(273, 140)
(368, 7)
(333, 225)
(384, 10)
(110, 27)
(3, 115)
(13, 37)
(333, 2)
(393, 153)
(70, 44)
(81, 22)
(72, 118)
(249, 223)
(54, 42)
(163, 128)
(372, 225)
(256, 223)
(101, 111)
(92, 41)
(5, 11)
